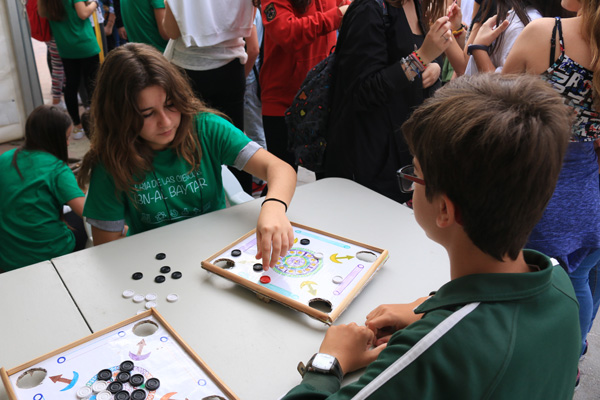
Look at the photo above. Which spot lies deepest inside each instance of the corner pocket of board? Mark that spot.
(32, 377)
(366, 256)
(322, 305)
(145, 328)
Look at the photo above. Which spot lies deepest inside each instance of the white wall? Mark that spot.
(13, 111)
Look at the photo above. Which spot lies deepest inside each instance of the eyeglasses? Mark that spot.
(407, 179)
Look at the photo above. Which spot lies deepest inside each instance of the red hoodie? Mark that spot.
(294, 43)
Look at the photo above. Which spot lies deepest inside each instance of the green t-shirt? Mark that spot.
(140, 22)
(170, 192)
(30, 228)
(74, 36)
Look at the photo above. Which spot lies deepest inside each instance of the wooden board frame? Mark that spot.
(4, 374)
(280, 298)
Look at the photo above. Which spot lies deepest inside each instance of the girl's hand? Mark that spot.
(437, 40)
(431, 74)
(455, 15)
(490, 32)
(274, 234)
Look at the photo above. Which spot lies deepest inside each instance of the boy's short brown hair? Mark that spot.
(494, 145)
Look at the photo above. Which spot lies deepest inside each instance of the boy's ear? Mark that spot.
(447, 213)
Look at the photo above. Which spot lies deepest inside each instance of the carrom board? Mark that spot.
(320, 275)
(147, 340)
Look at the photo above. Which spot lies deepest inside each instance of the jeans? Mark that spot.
(587, 289)
(253, 124)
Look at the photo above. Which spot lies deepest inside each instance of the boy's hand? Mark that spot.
(274, 234)
(388, 318)
(351, 345)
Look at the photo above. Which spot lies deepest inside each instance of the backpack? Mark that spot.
(40, 27)
(308, 115)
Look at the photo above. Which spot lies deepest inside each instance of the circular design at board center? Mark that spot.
(298, 262)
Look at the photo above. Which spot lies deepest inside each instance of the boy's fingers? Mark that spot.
(383, 340)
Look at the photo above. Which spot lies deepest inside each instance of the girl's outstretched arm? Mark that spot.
(273, 230)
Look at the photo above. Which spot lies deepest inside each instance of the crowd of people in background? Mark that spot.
(174, 89)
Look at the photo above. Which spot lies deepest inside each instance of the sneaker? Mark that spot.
(77, 133)
(585, 349)
(61, 105)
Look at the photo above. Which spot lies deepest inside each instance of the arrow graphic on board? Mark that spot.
(59, 378)
(70, 382)
(336, 259)
(311, 289)
(142, 344)
(139, 356)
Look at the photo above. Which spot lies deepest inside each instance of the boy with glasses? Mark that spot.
(486, 160)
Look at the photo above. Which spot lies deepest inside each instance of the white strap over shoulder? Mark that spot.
(426, 342)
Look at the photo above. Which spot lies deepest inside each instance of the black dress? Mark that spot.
(372, 97)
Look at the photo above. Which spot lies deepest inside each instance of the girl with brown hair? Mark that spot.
(157, 151)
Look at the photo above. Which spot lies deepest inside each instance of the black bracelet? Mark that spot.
(472, 47)
(277, 200)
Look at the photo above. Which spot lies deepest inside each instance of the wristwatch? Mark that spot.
(472, 47)
(325, 364)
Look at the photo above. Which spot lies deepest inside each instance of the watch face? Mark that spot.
(323, 361)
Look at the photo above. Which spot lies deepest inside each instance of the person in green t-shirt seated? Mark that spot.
(36, 182)
(156, 155)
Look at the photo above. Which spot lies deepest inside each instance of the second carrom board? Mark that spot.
(153, 350)
(320, 275)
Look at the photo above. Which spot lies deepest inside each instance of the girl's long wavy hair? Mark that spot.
(590, 28)
(299, 5)
(54, 10)
(116, 120)
(45, 130)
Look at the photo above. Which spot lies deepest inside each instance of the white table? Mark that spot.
(253, 346)
(37, 315)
